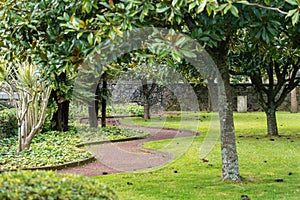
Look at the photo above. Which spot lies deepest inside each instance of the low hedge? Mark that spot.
(49, 185)
(8, 123)
(109, 133)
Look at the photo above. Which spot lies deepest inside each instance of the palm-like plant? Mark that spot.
(29, 94)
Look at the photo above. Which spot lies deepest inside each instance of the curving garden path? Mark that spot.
(128, 156)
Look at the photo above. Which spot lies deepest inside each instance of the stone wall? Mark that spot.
(173, 97)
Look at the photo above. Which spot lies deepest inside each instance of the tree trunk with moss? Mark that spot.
(230, 166)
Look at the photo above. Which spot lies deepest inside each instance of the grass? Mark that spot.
(264, 162)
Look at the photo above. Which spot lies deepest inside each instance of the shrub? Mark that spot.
(49, 185)
(126, 109)
(109, 133)
(8, 123)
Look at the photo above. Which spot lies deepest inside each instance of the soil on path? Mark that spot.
(128, 156)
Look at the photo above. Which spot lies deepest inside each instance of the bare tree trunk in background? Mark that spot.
(93, 108)
(147, 91)
(212, 96)
(104, 101)
(271, 120)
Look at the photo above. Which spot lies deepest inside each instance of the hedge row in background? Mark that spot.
(8, 123)
(49, 185)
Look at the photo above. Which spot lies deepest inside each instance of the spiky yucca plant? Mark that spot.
(29, 94)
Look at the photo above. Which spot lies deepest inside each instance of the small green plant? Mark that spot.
(8, 123)
(49, 185)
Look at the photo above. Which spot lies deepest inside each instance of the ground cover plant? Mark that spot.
(109, 133)
(47, 149)
(53, 148)
(270, 166)
(49, 185)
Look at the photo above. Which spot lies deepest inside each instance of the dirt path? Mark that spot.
(128, 156)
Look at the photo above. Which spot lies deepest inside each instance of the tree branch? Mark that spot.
(266, 7)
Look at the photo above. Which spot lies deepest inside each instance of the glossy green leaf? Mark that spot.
(188, 54)
(295, 18)
(234, 11)
(201, 7)
(66, 16)
(292, 2)
(79, 35)
(228, 7)
(243, 2)
(91, 38)
(162, 9)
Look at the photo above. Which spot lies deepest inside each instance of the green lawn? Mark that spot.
(264, 162)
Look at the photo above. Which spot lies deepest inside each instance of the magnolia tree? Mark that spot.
(29, 95)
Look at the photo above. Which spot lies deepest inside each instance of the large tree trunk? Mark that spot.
(104, 103)
(60, 119)
(294, 102)
(271, 121)
(230, 167)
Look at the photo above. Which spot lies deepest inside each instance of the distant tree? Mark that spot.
(271, 64)
(152, 72)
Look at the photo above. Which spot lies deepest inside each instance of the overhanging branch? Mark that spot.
(265, 7)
